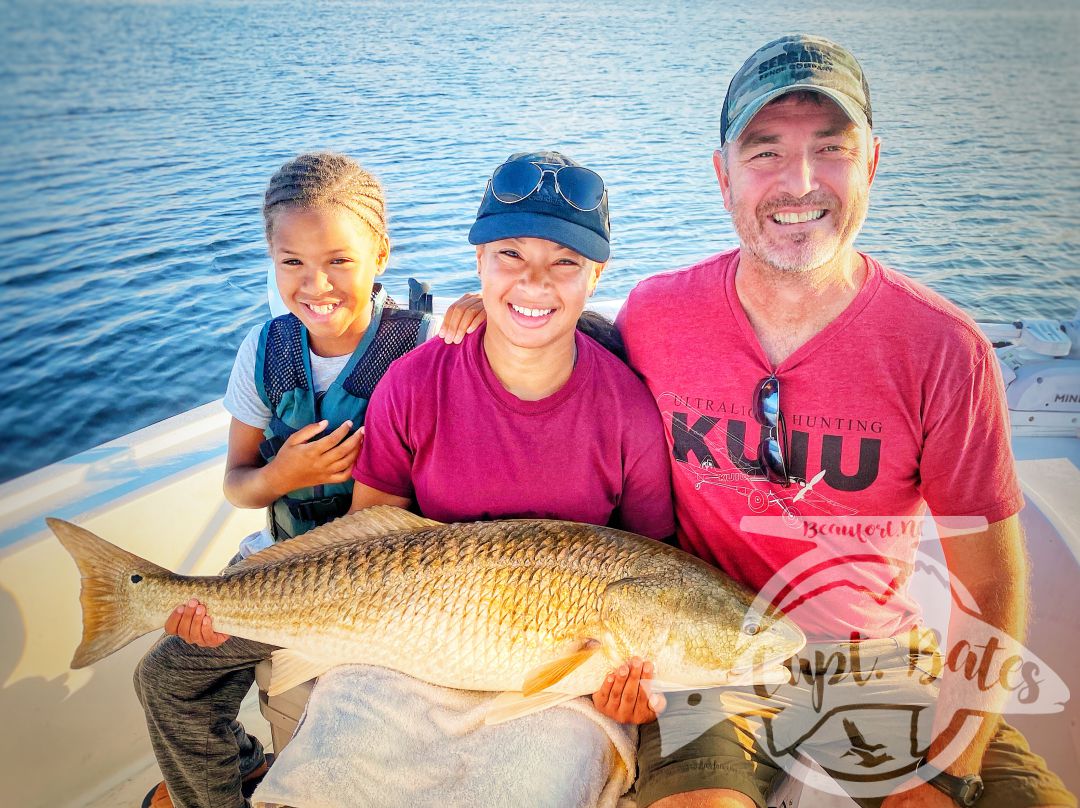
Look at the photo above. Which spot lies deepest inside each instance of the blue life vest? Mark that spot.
(283, 379)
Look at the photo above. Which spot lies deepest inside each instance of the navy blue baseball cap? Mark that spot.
(542, 204)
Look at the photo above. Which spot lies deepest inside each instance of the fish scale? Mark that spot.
(482, 606)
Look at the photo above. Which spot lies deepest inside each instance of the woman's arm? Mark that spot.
(364, 496)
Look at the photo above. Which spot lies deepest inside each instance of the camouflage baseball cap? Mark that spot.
(796, 62)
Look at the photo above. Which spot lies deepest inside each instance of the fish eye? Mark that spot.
(751, 629)
(136, 578)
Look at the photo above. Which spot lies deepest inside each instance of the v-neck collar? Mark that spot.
(869, 288)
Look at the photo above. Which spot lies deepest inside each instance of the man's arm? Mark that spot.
(992, 566)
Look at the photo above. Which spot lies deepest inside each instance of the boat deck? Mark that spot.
(129, 792)
(81, 738)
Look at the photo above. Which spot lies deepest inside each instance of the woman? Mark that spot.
(528, 417)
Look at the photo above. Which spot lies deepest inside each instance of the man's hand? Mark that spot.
(463, 317)
(193, 625)
(625, 694)
(302, 462)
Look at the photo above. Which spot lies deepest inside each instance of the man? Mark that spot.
(805, 386)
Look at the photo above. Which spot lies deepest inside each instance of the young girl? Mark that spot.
(298, 394)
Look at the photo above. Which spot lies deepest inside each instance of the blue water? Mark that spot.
(137, 138)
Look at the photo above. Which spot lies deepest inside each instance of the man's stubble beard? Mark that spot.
(816, 254)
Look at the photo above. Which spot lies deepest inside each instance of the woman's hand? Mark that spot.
(625, 695)
(463, 317)
(193, 625)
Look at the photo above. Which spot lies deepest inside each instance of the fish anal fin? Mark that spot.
(372, 522)
(551, 673)
(510, 705)
(290, 668)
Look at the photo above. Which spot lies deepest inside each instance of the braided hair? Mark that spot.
(323, 179)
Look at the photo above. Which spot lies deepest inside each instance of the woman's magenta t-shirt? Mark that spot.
(442, 430)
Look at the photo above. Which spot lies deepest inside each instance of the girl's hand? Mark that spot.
(302, 462)
(193, 625)
(625, 695)
(463, 317)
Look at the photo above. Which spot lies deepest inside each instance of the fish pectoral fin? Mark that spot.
(551, 673)
(369, 523)
(510, 705)
(290, 668)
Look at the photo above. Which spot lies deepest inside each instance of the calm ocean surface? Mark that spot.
(137, 138)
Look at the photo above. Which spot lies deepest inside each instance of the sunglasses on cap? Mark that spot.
(580, 187)
(773, 446)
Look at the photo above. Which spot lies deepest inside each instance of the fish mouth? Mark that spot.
(763, 662)
(772, 671)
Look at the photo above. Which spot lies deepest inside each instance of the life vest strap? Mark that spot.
(319, 510)
(269, 448)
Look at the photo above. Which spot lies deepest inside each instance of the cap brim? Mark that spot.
(526, 224)
(850, 107)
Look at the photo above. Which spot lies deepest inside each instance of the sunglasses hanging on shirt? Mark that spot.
(772, 451)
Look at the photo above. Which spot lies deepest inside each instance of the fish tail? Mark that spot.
(110, 576)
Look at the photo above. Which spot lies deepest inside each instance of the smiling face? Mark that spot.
(534, 290)
(326, 260)
(797, 183)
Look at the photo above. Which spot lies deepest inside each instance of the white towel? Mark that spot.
(374, 737)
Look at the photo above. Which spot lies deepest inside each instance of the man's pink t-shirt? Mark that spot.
(899, 401)
(442, 430)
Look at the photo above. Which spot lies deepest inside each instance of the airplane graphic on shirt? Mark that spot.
(728, 466)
